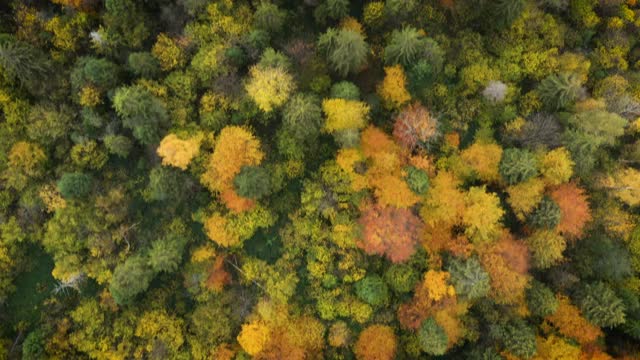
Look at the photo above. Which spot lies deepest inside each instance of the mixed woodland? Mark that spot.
(320, 179)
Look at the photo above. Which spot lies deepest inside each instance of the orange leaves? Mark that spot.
(218, 276)
(414, 125)
(571, 323)
(377, 342)
(389, 231)
(574, 209)
(507, 262)
(435, 284)
(236, 147)
(177, 152)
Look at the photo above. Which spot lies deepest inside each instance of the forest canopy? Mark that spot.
(320, 179)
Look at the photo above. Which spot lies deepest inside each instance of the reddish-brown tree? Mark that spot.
(377, 342)
(574, 209)
(413, 125)
(390, 231)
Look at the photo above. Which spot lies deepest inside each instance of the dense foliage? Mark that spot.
(320, 179)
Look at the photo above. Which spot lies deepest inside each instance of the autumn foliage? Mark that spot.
(377, 342)
(570, 323)
(574, 209)
(177, 152)
(414, 125)
(389, 231)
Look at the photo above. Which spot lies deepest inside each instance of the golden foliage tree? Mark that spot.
(484, 160)
(393, 88)
(570, 323)
(482, 214)
(376, 342)
(254, 337)
(523, 197)
(344, 114)
(177, 152)
(445, 203)
(269, 87)
(556, 166)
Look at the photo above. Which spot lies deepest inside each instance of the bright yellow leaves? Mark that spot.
(484, 160)
(177, 152)
(217, 230)
(556, 166)
(236, 147)
(436, 284)
(393, 88)
(254, 337)
(344, 114)
(159, 326)
(625, 184)
(523, 197)
(555, 348)
(482, 214)
(445, 203)
(26, 161)
(269, 87)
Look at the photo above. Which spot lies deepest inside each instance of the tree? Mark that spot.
(417, 179)
(23, 62)
(516, 336)
(97, 72)
(177, 152)
(546, 247)
(482, 214)
(432, 338)
(130, 278)
(517, 165)
(556, 166)
(236, 147)
(345, 90)
(254, 337)
(302, 117)
(389, 231)
(540, 300)
(625, 185)
(269, 17)
(253, 182)
(141, 112)
(415, 126)
(166, 252)
(143, 64)
(558, 91)
(344, 114)
(74, 185)
(392, 89)
(118, 144)
(376, 342)
(345, 50)
(546, 215)
(469, 278)
(484, 159)
(603, 127)
(570, 323)
(507, 262)
(372, 290)
(600, 305)
(402, 278)
(26, 161)
(574, 209)
(269, 87)
(404, 46)
(168, 52)
(555, 348)
(161, 332)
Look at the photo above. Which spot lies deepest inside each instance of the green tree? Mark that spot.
(417, 179)
(517, 165)
(516, 336)
(540, 300)
(373, 290)
(269, 17)
(130, 278)
(600, 305)
(402, 278)
(141, 112)
(118, 144)
(24, 63)
(546, 215)
(345, 50)
(98, 72)
(469, 278)
(143, 64)
(302, 117)
(74, 185)
(345, 90)
(166, 252)
(604, 127)
(558, 91)
(253, 182)
(432, 338)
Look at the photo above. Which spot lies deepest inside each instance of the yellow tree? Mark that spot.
(523, 197)
(393, 88)
(177, 152)
(484, 160)
(556, 166)
(344, 114)
(236, 147)
(625, 185)
(445, 203)
(269, 87)
(26, 161)
(254, 337)
(168, 52)
(482, 214)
